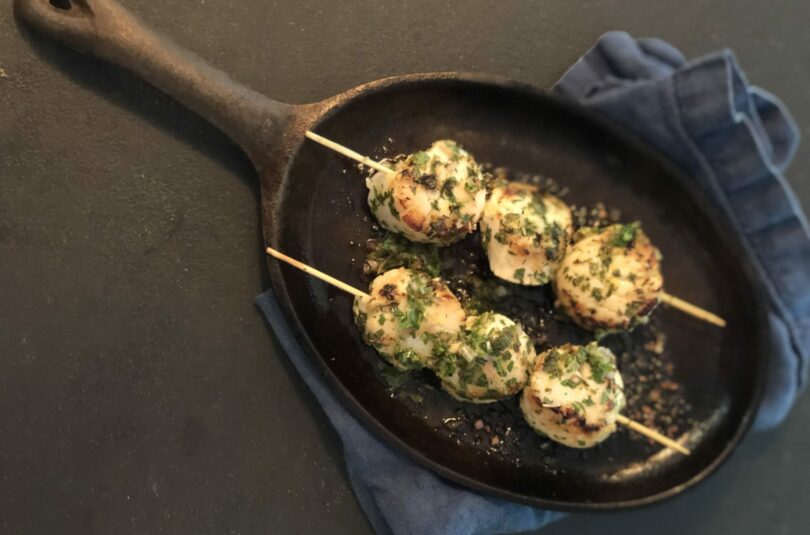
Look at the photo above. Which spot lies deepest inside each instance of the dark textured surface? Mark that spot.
(139, 390)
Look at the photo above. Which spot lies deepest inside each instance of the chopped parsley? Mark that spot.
(447, 189)
(420, 296)
(572, 382)
(568, 360)
(421, 158)
(394, 251)
(601, 365)
(392, 207)
(556, 233)
(551, 364)
(378, 199)
(360, 319)
(624, 235)
(500, 236)
(407, 359)
(505, 339)
(471, 185)
(538, 206)
(632, 309)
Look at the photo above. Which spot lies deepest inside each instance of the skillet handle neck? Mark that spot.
(103, 28)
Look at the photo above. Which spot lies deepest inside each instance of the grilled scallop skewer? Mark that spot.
(362, 295)
(415, 322)
(606, 280)
(610, 278)
(407, 317)
(491, 360)
(575, 396)
(448, 230)
(432, 196)
(524, 233)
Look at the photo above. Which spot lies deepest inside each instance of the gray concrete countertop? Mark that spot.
(140, 391)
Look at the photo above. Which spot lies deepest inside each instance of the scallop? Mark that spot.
(610, 278)
(408, 317)
(436, 195)
(491, 360)
(524, 233)
(574, 395)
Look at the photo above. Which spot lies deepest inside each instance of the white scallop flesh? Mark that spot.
(435, 196)
(610, 278)
(574, 395)
(492, 360)
(524, 233)
(408, 316)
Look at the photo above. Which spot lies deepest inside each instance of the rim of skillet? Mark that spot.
(309, 116)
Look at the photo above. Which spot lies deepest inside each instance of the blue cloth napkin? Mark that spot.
(736, 141)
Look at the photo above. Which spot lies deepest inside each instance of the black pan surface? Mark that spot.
(324, 220)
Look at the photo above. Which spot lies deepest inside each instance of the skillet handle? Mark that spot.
(105, 29)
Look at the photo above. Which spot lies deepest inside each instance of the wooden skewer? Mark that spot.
(317, 274)
(692, 310)
(652, 433)
(635, 426)
(671, 300)
(345, 151)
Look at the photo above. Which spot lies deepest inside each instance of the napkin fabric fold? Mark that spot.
(735, 140)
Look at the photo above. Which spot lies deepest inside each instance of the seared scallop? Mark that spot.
(524, 233)
(435, 196)
(408, 317)
(490, 361)
(574, 395)
(610, 278)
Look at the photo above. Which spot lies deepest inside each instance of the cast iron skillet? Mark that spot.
(313, 206)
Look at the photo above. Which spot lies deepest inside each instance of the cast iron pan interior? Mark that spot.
(314, 208)
(323, 212)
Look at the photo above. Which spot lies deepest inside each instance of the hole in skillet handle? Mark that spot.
(64, 5)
